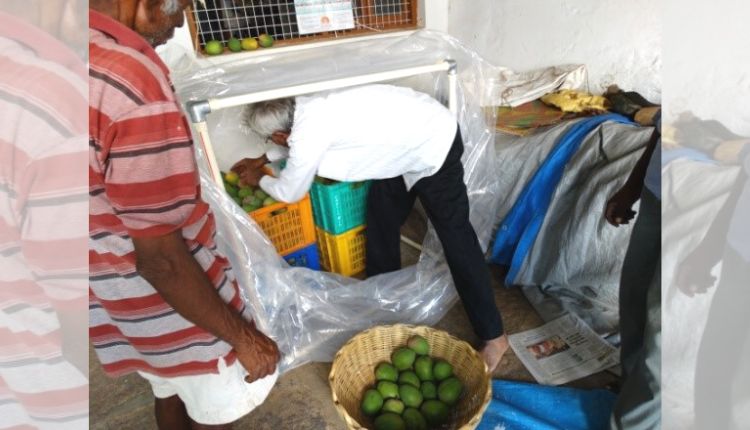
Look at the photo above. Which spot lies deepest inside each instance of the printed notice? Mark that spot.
(316, 16)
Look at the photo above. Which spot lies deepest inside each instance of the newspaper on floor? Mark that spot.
(563, 350)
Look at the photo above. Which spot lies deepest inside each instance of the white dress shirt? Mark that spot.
(368, 132)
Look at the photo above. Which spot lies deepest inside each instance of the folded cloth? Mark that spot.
(576, 101)
(522, 120)
(524, 406)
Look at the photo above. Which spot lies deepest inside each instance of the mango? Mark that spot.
(386, 372)
(414, 419)
(429, 390)
(403, 358)
(234, 45)
(423, 368)
(435, 412)
(388, 389)
(410, 395)
(393, 405)
(372, 402)
(450, 390)
(442, 370)
(409, 377)
(389, 421)
(419, 345)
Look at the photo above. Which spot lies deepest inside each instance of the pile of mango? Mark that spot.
(414, 391)
(247, 197)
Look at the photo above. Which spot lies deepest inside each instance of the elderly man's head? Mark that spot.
(155, 20)
(271, 119)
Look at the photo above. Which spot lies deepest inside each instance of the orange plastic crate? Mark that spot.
(342, 253)
(289, 226)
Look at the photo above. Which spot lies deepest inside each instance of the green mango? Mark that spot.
(419, 345)
(403, 358)
(372, 402)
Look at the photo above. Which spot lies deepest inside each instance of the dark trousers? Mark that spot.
(638, 405)
(723, 353)
(443, 195)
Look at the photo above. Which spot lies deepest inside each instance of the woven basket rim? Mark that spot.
(354, 425)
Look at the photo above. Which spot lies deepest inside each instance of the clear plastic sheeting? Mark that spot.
(311, 314)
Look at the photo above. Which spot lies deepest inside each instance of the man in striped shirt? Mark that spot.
(163, 301)
(43, 279)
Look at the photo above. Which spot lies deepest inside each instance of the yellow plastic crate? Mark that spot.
(342, 253)
(289, 226)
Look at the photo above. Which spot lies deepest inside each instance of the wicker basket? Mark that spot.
(353, 372)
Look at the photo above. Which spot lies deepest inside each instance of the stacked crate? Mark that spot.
(339, 210)
(289, 226)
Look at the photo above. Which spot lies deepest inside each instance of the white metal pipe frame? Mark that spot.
(198, 110)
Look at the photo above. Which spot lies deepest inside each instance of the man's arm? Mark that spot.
(694, 272)
(619, 207)
(166, 263)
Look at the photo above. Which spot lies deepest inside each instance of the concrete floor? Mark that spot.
(301, 400)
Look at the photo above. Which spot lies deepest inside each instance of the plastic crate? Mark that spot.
(340, 206)
(289, 226)
(342, 253)
(305, 257)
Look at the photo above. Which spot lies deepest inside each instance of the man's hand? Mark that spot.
(250, 170)
(251, 177)
(257, 353)
(729, 152)
(249, 164)
(694, 274)
(619, 208)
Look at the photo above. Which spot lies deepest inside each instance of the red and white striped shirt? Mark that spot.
(42, 227)
(143, 182)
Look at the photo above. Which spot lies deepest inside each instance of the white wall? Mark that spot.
(619, 41)
(707, 61)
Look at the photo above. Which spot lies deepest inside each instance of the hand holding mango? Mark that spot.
(249, 198)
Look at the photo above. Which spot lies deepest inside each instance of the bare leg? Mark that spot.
(493, 350)
(197, 426)
(171, 414)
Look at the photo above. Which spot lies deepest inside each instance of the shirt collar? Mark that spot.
(125, 37)
(40, 42)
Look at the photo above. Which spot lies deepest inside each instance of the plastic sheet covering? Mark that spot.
(311, 314)
(523, 406)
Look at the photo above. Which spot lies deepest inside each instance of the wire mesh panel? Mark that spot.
(225, 19)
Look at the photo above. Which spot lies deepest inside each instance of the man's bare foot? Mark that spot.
(493, 350)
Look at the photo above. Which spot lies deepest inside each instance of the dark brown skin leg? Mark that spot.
(171, 414)
(197, 426)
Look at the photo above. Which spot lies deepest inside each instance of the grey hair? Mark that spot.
(171, 7)
(270, 116)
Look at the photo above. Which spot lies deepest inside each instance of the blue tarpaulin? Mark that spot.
(521, 225)
(524, 406)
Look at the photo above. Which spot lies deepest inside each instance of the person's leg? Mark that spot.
(638, 269)
(446, 202)
(388, 206)
(720, 356)
(197, 426)
(638, 405)
(171, 414)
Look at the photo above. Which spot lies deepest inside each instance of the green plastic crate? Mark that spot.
(339, 206)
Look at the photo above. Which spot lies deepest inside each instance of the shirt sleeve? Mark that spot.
(151, 178)
(277, 152)
(301, 166)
